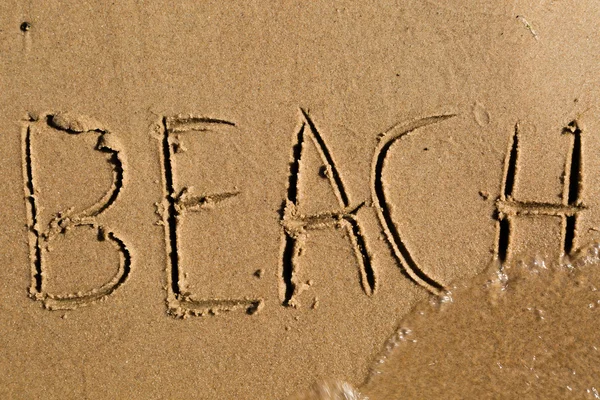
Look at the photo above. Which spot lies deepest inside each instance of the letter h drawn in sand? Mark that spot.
(508, 207)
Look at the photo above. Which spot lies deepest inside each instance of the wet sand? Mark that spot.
(527, 331)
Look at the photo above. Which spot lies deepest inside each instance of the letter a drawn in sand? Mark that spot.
(296, 224)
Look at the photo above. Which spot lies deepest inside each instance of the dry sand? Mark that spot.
(235, 201)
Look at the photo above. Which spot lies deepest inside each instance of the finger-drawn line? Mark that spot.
(188, 124)
(511, 207)
(510, 168)
(171, 223)
(503, 227)
(507, 207)
(291, 251)
(118, 175)
(296, 225)
(292, 246)
(32, 210)
(184, 201)
(399, 247)
(509, 176)
(329, 163)
(41, 237)
(75, 300)
(292, 189)
(190, 305)
(574, 168)
(105, 144)
(180, 303)
(367, 277)
(570, 227)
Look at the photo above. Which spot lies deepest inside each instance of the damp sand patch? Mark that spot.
(526, 329)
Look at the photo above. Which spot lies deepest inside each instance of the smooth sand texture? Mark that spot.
(527, 331)
(218, 201)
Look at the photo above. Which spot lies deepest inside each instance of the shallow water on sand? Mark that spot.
(526, 329)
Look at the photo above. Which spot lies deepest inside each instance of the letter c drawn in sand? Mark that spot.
(399, 248)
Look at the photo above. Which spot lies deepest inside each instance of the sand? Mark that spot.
(526, 331)
(239, 201)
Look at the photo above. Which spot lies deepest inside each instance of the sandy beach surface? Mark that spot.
(258, 200)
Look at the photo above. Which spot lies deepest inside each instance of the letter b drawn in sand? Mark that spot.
(568, 210)
(50, 134)
(179, 200)
(296, 224)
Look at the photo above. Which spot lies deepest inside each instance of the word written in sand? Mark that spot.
(75, 229)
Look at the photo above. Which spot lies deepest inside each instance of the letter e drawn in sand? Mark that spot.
(296, 224)
(507, 207)
(398, 245)
(81, 224)
(179, 201)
